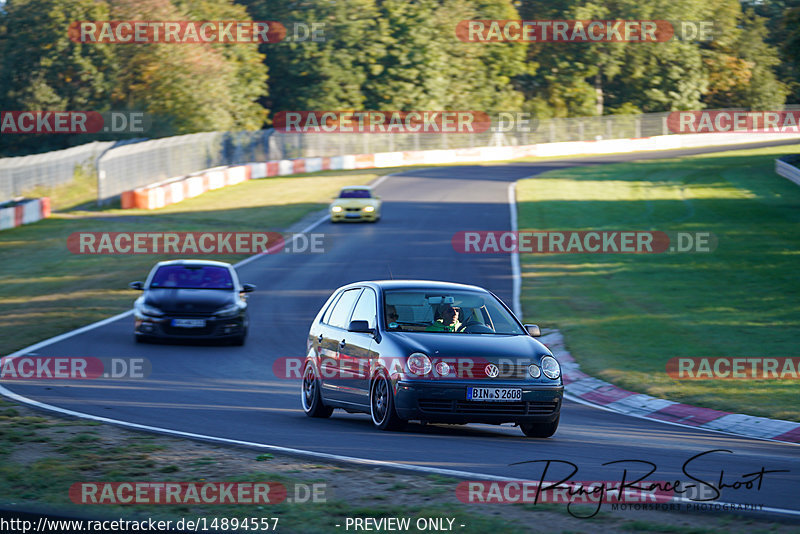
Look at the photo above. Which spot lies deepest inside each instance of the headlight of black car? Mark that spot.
(146, 309)
(550, 367)
(534, 370)
(418, 364)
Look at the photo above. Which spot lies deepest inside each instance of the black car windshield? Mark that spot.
(192, 277)
(453, 312)
(355, 193)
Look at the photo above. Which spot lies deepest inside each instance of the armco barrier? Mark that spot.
(26, 211)
(177, 189)
(787, 170)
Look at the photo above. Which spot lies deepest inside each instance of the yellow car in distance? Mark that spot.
(356, 203)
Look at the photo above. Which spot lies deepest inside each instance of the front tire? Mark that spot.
(381, 405)
(539, 430)
(311, 397)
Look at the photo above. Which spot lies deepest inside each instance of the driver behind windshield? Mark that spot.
(447, 321)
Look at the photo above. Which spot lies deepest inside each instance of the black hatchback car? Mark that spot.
(437, 352)
(191, 299)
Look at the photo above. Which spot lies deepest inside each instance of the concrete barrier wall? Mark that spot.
(787, 170)
(26, 212)
(177, 189)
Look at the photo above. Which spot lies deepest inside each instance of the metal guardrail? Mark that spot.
(784, 167)
(122, 167)
(140, 164)
(19, 175)
(298, 145)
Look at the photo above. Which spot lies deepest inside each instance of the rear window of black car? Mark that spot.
(192, 277)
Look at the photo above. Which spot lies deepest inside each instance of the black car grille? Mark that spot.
(179, 331)
(507, 370)
(487, 408)
(512, 371)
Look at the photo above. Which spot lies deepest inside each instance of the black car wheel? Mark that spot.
(311, 397)
(539, 430)
(381, 405)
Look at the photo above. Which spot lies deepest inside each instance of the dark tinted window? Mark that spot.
(192, 277)
(355, 193)
(341, 311)
(367, 308)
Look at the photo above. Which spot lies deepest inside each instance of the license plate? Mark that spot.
(189, 323)
(353, 215)
(494, 394)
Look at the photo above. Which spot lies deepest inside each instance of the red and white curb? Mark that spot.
(590, 390)
(14, 214)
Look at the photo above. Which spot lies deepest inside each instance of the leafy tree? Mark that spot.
(186, 87)
(740, 62)
(191, 87)
(326, 73)
(782, 20)
(389, 55)
(41, 69)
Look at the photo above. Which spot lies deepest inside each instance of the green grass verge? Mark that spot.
(623, 316)
(46, 290)
(82, 190)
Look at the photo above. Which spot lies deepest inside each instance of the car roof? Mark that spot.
(417, 284)
(210, 263)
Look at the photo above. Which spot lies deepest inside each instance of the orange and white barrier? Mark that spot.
(24, 212)
(177, 189)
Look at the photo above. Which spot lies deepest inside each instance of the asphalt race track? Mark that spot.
(232, 392)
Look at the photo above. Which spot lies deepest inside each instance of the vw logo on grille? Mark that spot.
(492, 371)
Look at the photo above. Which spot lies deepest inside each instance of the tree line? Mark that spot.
(388, 55)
